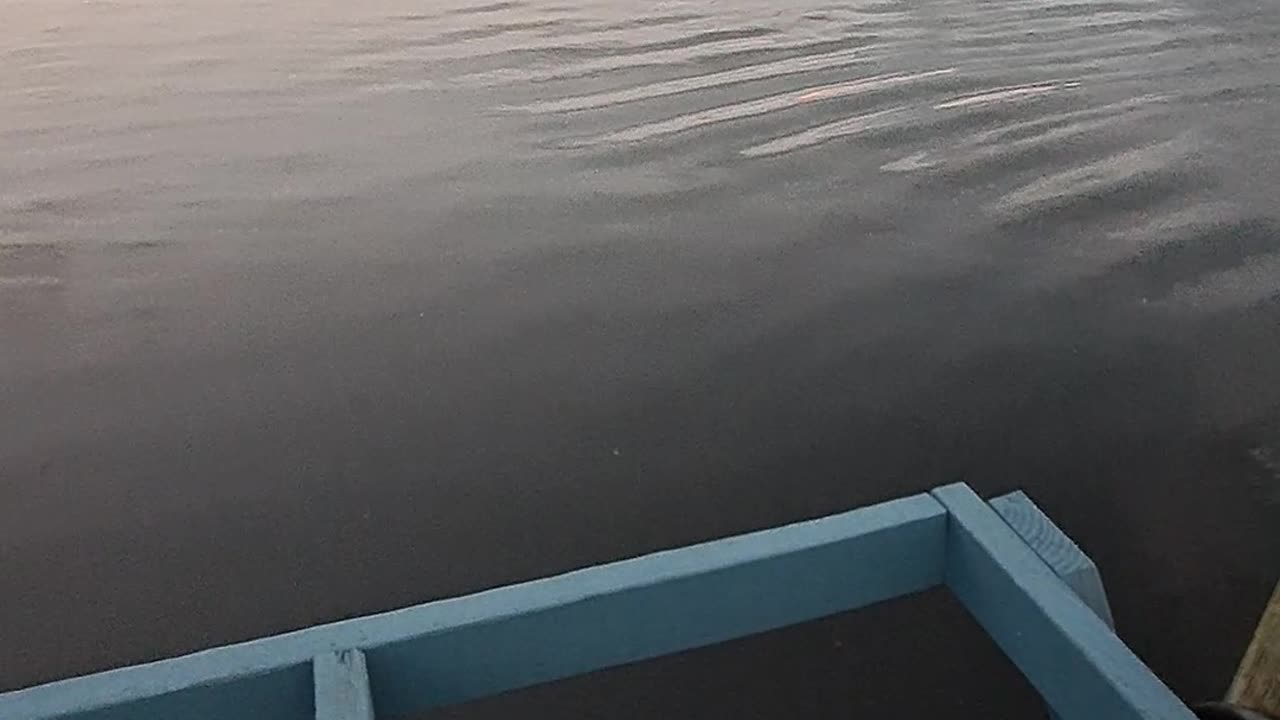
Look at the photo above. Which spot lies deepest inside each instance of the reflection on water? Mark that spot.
(293, 296)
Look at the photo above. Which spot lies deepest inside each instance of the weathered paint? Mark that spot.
(1058, 550)
(460, 648)
(342, 686)
(1075, 661)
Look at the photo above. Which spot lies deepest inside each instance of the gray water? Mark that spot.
(310, 310)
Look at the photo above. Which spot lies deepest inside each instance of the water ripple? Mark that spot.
(1099, 178)
(763, 106)
(830, 131)
(1038, 113)
(262, 258)
(789, 66)
(1006, 94)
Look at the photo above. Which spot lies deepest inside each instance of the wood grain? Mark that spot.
(1257, 682)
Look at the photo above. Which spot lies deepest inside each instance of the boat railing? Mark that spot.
(1026, 583)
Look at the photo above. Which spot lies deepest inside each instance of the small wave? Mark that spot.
(764, 106)
(1095, 179)
(1042, 126)
(710, 52)
(790, 66)
(1178, 222)
(29, 281)
(494, 30)
(625, 43)
(1063, 137)
(1256, 280)
(914, 161)
(1005, 94)
(830, 131)
(486, 8)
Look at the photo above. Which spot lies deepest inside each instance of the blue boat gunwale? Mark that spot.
(501, 639)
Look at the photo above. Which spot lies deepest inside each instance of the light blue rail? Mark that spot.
(1026, 583)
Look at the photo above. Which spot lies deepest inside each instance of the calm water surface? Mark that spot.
(309, 310)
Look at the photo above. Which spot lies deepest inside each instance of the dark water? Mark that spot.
(309, 310)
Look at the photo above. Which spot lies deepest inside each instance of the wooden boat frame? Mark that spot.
(1027, 584)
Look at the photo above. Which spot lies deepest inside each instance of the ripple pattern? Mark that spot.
(294, 295)
(123, 118)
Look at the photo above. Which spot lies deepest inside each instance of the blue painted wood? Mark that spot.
(671, 602)
(1079, 666)
(461, 648)
(342, 686)
(174, 691)
(1058, 550)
